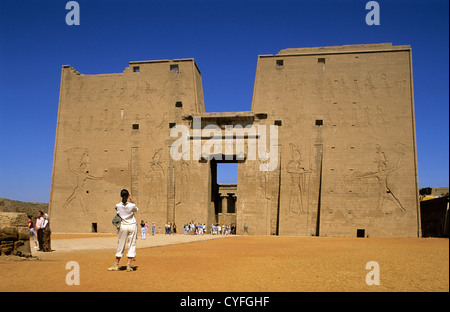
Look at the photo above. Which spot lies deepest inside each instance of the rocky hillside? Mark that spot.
(9, 205)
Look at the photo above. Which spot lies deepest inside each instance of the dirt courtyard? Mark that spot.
(245, 264)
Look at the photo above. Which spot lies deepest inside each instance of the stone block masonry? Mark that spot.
(14, 234)
(339, 121)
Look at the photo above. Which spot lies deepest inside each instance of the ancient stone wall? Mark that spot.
(14, 234)
(113, 133)
(345, 152)
(347, 139)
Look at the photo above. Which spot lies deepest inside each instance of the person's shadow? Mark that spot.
(124, 267)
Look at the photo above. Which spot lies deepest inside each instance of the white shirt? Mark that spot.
(126, 212)
(39, 223)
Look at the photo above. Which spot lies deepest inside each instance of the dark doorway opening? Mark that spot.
(94, 228)
(360, 233)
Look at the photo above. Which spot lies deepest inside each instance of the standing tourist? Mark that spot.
(46, 233)
(127, 231)
(39, 230)
(32, 231)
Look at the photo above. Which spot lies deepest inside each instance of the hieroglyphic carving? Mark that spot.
(367, 119)
(77, 128)
(379, 116)
(354, 115)
(385, 85)
(123, 119)
(331, 88)
(356, 92)
(370, 86)
(341, 116)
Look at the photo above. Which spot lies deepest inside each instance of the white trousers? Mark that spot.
(127, 235)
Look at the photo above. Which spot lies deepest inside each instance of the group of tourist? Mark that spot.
(169, 228)
(40, 233)
(224, 229)
(195, 228)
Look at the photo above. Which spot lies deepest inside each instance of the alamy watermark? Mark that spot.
(227, 145)
(373, 277)
(73, 277)
(373, 16)
(73, 16)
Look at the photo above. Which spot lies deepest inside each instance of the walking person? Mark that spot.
(128, 230)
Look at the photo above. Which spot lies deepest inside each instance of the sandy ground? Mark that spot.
(236, 264)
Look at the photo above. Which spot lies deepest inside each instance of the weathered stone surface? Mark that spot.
(344, 161)
(8, 233)
(14, 234)
(6, 247)
(23, 233)
(22, 248)
(13, 219)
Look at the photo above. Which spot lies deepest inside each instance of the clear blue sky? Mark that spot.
(224, 37)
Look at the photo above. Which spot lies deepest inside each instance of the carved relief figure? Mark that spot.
(379, 116)
(385, 84)
(182, 178)
(354, 115)
(355, 89)
(368, 82)
(385, 167)
(297, 175)
(77, 160)
(155, 176)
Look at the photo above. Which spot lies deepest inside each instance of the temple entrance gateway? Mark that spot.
(224, 193)
(328, 147)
